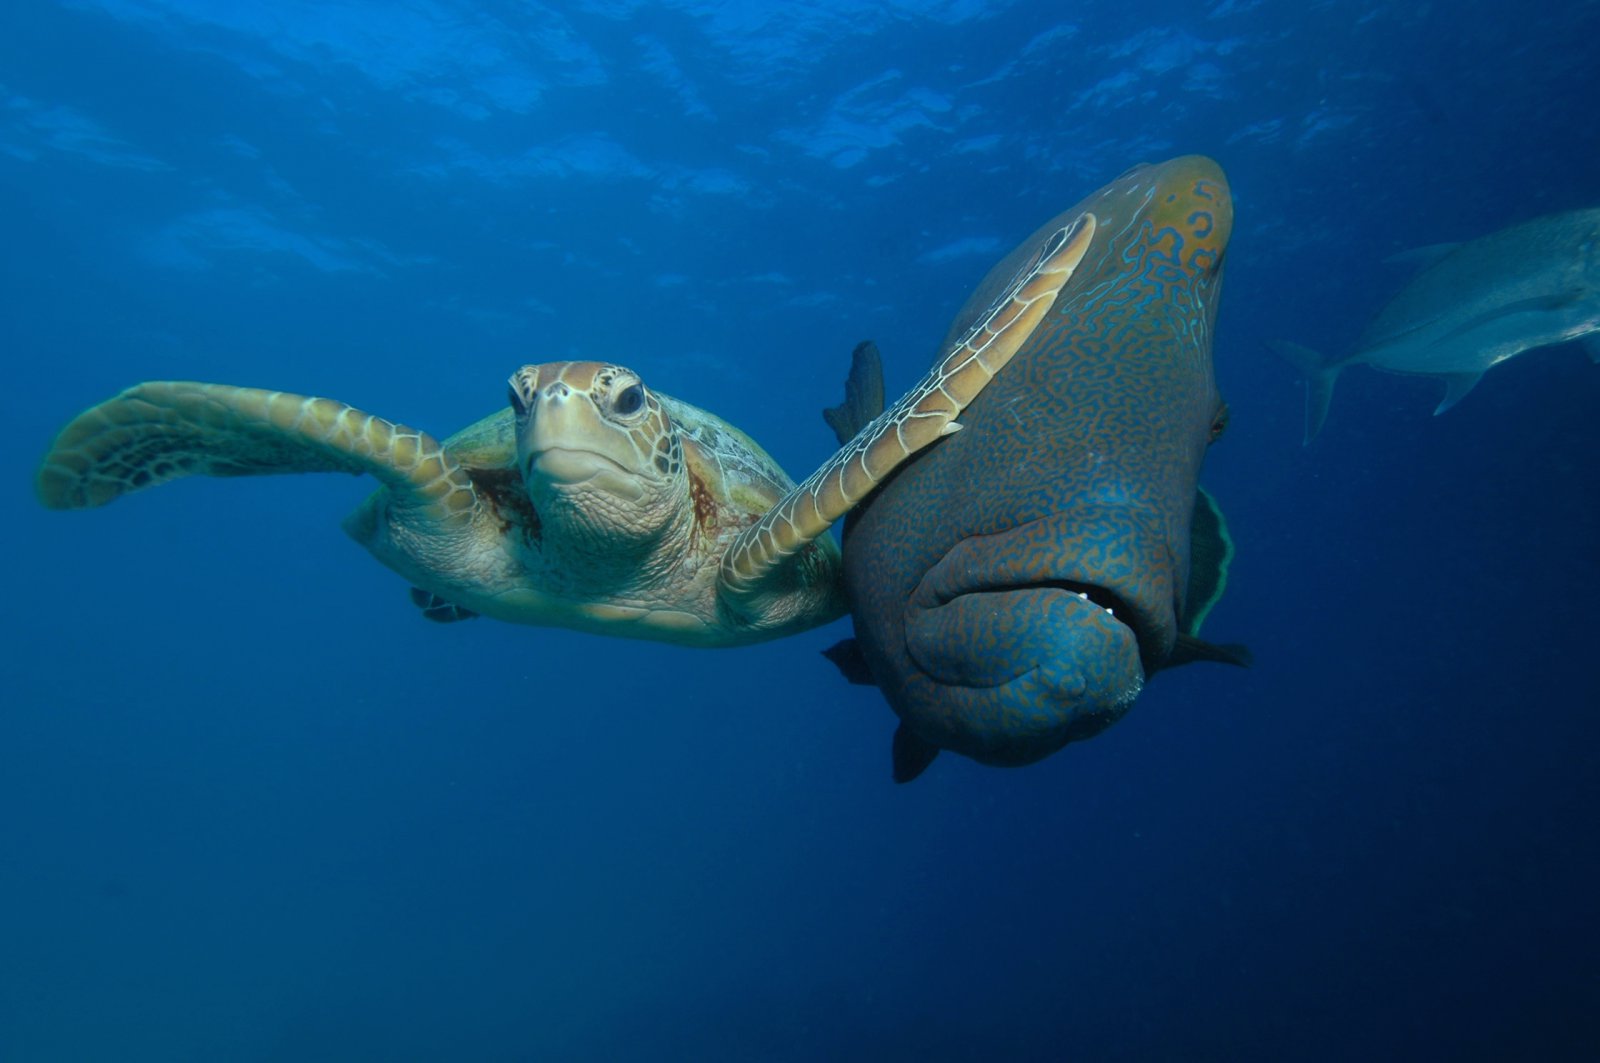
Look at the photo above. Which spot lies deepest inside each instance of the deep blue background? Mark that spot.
(252, 807)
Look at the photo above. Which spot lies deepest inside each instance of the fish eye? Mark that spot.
(1219, 423)
(629, 400)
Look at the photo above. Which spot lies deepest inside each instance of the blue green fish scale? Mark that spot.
(1077, 466)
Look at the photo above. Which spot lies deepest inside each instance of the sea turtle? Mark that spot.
(592, 502)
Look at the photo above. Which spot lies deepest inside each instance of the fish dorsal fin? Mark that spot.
(1420, 258)
(1456, 387)
(920, 418)
(1210, 554)
(863, 394)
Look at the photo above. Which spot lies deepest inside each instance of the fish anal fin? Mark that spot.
(846, 656)
(1189, 649)
(912, 754)
(863, 394)
(1456, 387)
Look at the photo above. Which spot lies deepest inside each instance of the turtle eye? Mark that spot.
(517, 405)
(629, 399)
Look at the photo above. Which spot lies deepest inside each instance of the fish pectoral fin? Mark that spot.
(846, 656)
(912, 754)
(1189, 649)
(1210, 554)
(1456, 386)
(1591, 346)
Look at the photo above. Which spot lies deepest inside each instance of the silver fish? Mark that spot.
(1477, 304)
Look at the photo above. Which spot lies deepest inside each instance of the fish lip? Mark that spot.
(1095, 594)
(956, 574)
(1006, 679)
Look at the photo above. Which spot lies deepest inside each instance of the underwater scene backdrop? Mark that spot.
(254, 807)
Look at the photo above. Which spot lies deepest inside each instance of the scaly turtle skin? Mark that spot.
(592, 503)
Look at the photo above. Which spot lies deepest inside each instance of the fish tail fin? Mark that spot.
(1319, 374)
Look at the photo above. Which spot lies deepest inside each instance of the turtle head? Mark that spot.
(601, 458)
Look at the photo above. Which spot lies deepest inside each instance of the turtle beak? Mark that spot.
(563, 442)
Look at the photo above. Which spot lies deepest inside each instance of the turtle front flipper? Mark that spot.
(924, 414)
(164, 430)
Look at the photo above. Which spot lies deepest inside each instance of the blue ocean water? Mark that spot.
(252, 807)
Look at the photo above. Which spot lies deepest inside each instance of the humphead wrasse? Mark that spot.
(1013, 586)
(1474, 306)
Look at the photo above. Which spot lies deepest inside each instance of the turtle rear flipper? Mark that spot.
(439, 610)
(923, 415)
(164, 430)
